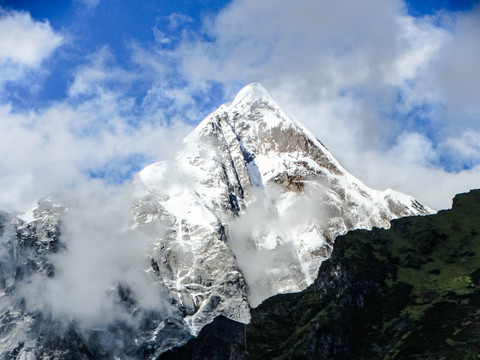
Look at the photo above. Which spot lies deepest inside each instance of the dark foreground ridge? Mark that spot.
(410, 292)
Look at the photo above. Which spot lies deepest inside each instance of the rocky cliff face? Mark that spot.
(249, 208)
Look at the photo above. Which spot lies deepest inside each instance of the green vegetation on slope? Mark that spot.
(411, 292)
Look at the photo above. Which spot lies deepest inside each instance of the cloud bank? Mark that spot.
(391, 95)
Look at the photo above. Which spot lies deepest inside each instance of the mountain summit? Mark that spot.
(248, 208)
(255, 196)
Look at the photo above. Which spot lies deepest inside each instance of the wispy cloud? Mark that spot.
(90, 4)
(101, 252)
(100, 73)
(62, 146)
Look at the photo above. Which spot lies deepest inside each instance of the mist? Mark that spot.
(101, 252)
(96, 278)
(267, 239)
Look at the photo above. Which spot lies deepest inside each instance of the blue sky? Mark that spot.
(420, 8)
(93, 90)
(95, 24)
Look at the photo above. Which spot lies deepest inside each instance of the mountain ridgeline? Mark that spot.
(409, 292)
(248, 208)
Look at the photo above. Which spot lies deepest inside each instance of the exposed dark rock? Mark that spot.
(217, 341)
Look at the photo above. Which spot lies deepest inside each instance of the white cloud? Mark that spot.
(468, 143)
(98, 73)
(100, 127)
(54, 149)
(264, 260)
(419, 41)
(432, 185)
(177, 20)
(90, 4)
(465, 146)
(101, 252)
(413, 148)
(24, 44)
(24, 41)
(454, 72)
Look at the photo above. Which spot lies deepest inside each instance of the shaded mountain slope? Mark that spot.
(410, 292)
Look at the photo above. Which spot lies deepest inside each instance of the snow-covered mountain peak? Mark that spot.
(248, 208)
(254, 92)
(252, 103)
(250, 163)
